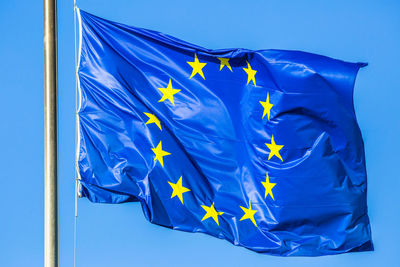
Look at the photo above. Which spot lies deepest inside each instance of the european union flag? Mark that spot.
(260, 148)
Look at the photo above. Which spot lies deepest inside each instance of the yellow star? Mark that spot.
(168, 93)
(248, 214)
(250, 74)
(274, 149)
(153, 119)
(267, 107)
(160, 153)
(197, 67)
(211, 212)
(224, 62)
(268, 187)
(178, 189)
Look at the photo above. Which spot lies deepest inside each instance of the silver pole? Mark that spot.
(50, 135)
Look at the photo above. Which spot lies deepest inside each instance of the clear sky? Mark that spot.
(119, 235)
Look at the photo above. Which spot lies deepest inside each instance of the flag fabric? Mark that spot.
(260, 148)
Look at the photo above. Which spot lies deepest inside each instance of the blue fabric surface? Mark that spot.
(271, 160)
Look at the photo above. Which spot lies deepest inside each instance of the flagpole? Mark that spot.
(50, 135)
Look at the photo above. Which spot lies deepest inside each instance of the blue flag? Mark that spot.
(260, 148)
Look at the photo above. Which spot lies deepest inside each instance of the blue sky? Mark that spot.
(119, 235)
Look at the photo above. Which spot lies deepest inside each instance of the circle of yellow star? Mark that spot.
(250, 74)
(274, 149)
(160, 153)
(268, 187)
(168, 93)
(224, 62)
(249, 214)
(211, 212)
(178, 189)
(267, 107)
(197, 67)
(153, 119)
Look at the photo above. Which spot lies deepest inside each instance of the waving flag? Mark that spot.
(261, 148)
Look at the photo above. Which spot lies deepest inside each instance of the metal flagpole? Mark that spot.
(50, 136)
